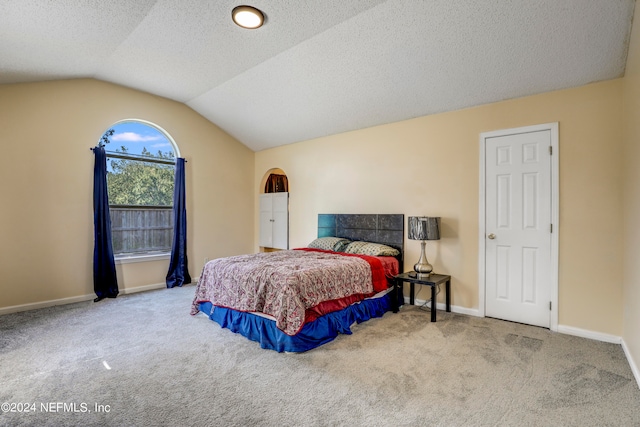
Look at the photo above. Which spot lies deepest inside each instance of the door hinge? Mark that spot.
(551, 228)
(550, 150)
(549, 305)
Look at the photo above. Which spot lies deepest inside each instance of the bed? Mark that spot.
(297, 300)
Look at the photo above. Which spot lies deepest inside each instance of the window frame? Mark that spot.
(132, 257)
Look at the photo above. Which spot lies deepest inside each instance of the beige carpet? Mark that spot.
(148, 362)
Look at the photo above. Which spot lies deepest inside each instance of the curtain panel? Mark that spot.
(178, 273)
(105, 283)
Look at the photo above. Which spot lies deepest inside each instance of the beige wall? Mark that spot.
(46, 222)
(430, 165)
(631, 291)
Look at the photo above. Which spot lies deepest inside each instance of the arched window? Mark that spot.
(140, 179)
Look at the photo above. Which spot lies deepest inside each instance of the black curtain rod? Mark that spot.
(141, 159)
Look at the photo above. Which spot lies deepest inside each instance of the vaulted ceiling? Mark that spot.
(318, 67)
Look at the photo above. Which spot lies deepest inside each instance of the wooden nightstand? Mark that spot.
(434, 280)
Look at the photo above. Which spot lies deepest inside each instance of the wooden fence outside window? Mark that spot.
(141, 229)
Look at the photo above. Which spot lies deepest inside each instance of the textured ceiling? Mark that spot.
(318, 67)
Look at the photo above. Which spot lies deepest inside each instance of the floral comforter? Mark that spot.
(285, 284)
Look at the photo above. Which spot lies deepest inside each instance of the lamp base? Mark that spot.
(422, 268)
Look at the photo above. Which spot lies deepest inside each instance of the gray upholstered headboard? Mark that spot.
(387, 229)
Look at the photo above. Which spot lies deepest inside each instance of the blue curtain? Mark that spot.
(105, 284)
(178, 274)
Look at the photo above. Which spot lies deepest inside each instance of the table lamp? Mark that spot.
(423, 228)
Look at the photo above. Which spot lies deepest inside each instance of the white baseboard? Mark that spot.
(71, 300)
(442, 306)
(44, 304)
(583, 333)
(632, 363)
(143, 288)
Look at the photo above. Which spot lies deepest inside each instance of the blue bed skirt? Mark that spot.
(312, 335)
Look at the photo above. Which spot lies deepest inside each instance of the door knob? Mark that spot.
(491, 236)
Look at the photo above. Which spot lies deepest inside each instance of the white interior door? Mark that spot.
(518, 244)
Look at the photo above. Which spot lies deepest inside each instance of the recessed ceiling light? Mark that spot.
(247, 17)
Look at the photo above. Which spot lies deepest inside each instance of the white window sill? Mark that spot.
(128, 259)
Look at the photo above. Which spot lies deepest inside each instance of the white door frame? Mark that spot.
(555, 210)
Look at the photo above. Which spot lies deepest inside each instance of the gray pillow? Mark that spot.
(336, 244)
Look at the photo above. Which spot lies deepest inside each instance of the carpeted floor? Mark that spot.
(146, 361)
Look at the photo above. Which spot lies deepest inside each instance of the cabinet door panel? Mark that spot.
(266, 224)
(280, 220)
